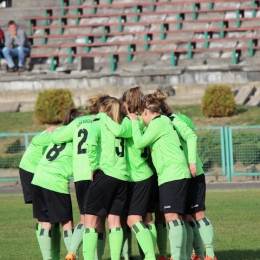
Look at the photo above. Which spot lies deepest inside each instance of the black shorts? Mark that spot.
(154, 194)
(81, 188)
(106, 195)
(173, 196)
(196, 195)
(26, 179)
(51, 206)
(138, 197)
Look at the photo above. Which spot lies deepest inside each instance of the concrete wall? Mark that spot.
(189, 84)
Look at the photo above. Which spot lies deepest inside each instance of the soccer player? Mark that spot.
(140, 182)
(51, 196)
(77, 131)
(170, 163)
(27, 168)
(107, 192)
(196, 204)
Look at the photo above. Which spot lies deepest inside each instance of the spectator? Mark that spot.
(16, 45)
(2, 38)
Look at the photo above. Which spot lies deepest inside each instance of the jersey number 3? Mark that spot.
(120, 151)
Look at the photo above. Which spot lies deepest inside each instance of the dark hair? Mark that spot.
(155, 102)
(94, 103)
(11, 23)
(133, 98)
(71, 114)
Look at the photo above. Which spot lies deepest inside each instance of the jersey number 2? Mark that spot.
(83, 132)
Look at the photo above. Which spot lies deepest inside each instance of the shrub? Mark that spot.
(51, 105)
(15, 147)
(10, 161)
(218, 101)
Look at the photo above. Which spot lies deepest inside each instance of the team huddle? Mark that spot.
(134, 164)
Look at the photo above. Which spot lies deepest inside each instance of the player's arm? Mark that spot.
(123, 130)
(151, 134)
(187, 120)
(187, 134)
(64, 134)
(42, 139)
(92, 145)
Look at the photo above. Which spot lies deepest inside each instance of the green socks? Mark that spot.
(55, 241)
(100, 246)
(184, 242)
(37, 232)
(190, 237)
(197, 242)
(127, 242)
(176, 238)
(115, 242)
(77, 238)
(144, 239)
(153, 233)
(207, 236)
(90, 238)
(67, 236)
(45, 244)
(162, 239)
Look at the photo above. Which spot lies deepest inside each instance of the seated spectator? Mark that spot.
(16, 45)
(2, 44)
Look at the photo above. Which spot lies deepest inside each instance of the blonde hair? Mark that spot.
(155, 102)
(111, 106)
(133, 98)
(93, 104)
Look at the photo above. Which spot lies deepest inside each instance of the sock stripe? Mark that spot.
(66, 233)
(136, 229)
(206, 221)
(79, 226)
(191, 223)
(47, 230)
(100, 236)
(37, 226)
(88, 230)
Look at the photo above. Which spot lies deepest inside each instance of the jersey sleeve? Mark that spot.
(42, 139)
(187, 120)
(64, 134)
(151, 134)
(123, 130)
(188, 135)
(92, 145)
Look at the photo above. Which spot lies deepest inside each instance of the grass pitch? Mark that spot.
(234, 214)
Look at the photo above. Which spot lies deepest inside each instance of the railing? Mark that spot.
(225, 151)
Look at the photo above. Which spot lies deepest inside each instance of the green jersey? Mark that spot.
(187, 136)
(77, 131)
(33, 155)
(106, 151)
(136, 164)
(167, 153)
(55, 168)
(199, 164)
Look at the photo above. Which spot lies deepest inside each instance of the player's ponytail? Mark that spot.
(71, 114)
(133, 98)
(159, 95)
(112, 107)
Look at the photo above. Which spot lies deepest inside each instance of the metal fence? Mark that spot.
(225, 151)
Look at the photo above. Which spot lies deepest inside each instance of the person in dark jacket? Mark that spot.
(16, 45)
(2, 44)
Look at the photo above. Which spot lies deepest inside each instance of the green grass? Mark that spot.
(233, 213)
(24, 122)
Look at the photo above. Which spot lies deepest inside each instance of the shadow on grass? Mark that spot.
(241, 109)
(238, 255)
